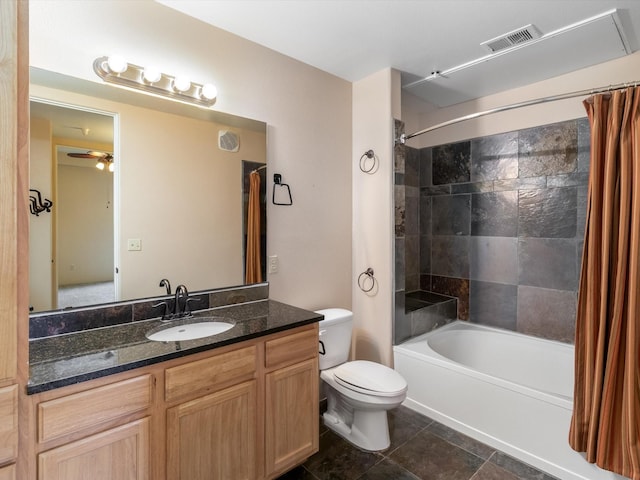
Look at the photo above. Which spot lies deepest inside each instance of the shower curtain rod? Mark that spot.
(581, 93)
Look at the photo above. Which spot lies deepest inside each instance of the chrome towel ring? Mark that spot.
(362, 280)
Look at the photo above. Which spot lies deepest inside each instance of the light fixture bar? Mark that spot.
(114, 70)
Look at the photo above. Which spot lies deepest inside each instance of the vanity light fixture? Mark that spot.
(115, 70)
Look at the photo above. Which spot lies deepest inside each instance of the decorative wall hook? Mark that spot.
(37, 205)
(277, 184)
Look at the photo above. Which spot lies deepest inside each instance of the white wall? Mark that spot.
(308, 113)
(625, 69)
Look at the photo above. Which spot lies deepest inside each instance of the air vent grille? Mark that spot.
(516, 37)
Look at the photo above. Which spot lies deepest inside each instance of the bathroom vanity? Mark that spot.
(239, 405)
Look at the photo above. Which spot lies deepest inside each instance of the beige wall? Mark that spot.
(308, 113)
(374, 105)
(40, 254)
(85, 225)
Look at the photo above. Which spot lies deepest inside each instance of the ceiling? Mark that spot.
(353, 39)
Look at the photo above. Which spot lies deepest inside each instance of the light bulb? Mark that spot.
(181, 83)
(116, 64)
(100, 166)
(209, 91)
(151, 74)
(112, 167)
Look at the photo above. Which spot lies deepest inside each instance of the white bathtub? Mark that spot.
(508, 390)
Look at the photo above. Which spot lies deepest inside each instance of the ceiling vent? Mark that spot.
(511, 39)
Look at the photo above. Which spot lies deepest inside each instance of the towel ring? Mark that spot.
(369, 155)
(367, 274)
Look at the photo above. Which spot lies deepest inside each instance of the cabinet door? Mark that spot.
(121, 453)
(214, 437)
(292, 415)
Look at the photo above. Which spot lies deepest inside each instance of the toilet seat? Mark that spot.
(370, 378)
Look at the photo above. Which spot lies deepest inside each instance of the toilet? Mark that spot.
(359, 392)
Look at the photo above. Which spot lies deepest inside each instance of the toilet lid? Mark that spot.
(370, 378)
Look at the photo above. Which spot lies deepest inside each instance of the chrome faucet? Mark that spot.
(181, 291)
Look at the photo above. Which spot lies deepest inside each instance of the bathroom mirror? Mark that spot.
(175, 206)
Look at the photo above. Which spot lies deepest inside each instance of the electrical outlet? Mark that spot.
(273, 264)
(134, 244)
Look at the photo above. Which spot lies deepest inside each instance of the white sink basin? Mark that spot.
(197, 328)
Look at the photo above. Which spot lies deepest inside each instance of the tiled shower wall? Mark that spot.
(497, 222)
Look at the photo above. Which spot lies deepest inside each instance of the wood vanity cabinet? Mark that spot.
(242, 412)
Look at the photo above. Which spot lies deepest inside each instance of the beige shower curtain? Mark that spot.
(253, 272)
(606, 412)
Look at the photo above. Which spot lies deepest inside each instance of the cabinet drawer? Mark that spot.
(292, 348)
(204, 375)
(8, 472)
(82, 410)
(8, 423)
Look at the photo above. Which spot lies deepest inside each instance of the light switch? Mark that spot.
(134, 244)
(273, 264)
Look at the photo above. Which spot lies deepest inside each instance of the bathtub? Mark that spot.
(508, 390)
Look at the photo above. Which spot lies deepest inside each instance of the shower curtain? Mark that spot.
(253, 272)
(606, 413)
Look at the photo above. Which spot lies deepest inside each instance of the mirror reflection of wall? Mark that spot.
(71, 248)
(176, 191)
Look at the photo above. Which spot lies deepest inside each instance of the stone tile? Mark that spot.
(478, 187)
(490, 471)
(386, 470)
(412, 262)
(436, 190)
(425, 215)
(547, 313)
(584, 145)
(494, 157)
(549, 213)
(581, 210)
(451, 163)
(453, 287)
(431, 457)
(548, 149)
(425, 282)
(493, 304)
(520, 184)
(412, 167)
(338, 459)
(519, 469)
(428, 317)
(460, 440)
(412, 212)
(398, 178)
(298, 473)
(450, 256)
(494, 214)
(401, 321)
(548, 263)
(494, 259)
(404, 424)
(400, 259)
(576, 179)
(399, 209)
(451, 215)
(425, 167)
(425, 254)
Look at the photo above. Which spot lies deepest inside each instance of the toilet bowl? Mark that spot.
(359, 393)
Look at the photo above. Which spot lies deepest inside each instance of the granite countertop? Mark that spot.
(71, 358)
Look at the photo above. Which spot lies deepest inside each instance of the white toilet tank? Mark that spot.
(335, 336)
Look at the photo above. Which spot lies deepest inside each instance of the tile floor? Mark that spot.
(421, 448)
